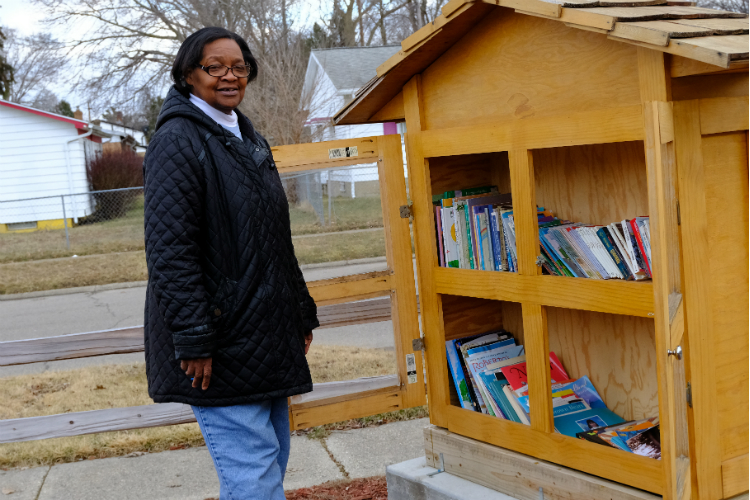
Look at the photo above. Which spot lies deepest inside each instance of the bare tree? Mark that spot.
(731, 5)
(361, 22)
(37, 60)
(6, 69)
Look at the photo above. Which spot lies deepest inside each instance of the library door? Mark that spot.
(355, 250)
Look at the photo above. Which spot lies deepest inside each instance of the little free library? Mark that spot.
(578, 185)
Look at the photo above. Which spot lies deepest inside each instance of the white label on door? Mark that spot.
(336, 153)
(411, 368)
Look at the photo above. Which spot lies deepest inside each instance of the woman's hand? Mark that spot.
(200, 370)
(308, 341)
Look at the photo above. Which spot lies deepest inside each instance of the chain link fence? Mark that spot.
(57, 226)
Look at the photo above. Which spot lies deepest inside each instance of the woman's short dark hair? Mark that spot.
(191, 52)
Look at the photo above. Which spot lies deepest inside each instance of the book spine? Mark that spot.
(478, 190)
(616, 258)
(439, 233)
(635, 252)
(469, 240)
(458, 375)
(637, 233)
(503, 242)
(449, 240)
(481, 232)
(490, 250)
(459, 240)
(496, 246)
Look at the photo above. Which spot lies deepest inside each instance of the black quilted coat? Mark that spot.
(223, 278)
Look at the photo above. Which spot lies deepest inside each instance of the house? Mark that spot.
(43, 158)
(122, 137)
(333, 77)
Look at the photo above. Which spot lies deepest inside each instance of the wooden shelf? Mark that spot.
(607, 296)
(627, 468)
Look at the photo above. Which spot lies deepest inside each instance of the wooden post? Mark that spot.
(398, 242)
(424, 239)
(705, 439)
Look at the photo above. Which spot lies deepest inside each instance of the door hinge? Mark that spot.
(417, 344)
(405, 211)
(679, 217)
(689, 395)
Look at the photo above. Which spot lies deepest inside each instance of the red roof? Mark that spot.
(77, 123)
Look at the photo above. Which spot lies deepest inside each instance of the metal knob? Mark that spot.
(676, 353)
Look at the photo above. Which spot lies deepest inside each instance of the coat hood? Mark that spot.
(177, 105)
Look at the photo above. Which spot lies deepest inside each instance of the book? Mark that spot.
(449, 237)
(572, 424)
(523, 417)
(439, 231)
(498, 241)
(635, 253)
(517, 376)
(636, 230)
(457, 193)
(463, 345)
(639, 437)
(483, 238)
(459, 380)
(478, 362)
(603, 234)
(461, 240)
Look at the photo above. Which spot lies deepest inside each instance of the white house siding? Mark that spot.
(33, 165)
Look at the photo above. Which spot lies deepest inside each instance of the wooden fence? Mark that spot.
(129, 340)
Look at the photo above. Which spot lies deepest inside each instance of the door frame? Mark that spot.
(338, 401)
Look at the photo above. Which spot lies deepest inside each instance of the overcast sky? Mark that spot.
(21, 15)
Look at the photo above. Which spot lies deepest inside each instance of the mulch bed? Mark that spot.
(369, 488)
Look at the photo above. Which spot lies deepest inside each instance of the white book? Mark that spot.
(602, 254)
(449, 237)
(620, 242)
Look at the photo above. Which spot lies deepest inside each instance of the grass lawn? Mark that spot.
(100, 269)
(115, 386)
(125, 234)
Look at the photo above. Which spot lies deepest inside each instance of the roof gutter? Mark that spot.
(68, 166)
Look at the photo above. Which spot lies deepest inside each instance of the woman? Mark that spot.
(229, 318)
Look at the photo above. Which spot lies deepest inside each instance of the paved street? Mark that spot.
(53, 315)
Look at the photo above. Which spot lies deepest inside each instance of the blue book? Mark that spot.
(454, 363)
(489, 347)
(582, 421)
(572, 407)
(584, 389)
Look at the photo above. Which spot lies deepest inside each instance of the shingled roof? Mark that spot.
(351, 67)
(710, 37)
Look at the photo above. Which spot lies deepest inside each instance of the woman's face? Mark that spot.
(226, 92)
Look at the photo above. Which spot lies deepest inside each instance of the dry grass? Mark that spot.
(52, 274)
(115, 386)
(125, 234)
(19, 277)
(335, 247)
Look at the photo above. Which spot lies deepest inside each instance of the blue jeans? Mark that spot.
(249, 445)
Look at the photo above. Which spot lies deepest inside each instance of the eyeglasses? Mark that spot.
(219, 70)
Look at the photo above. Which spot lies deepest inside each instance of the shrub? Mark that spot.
(114, 170)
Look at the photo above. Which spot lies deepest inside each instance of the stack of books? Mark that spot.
(621, 250)
(475, 229)
(489, 373)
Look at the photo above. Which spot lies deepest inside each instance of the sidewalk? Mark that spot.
(189, 474)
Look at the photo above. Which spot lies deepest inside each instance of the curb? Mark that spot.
(136, 284)
(68, 291)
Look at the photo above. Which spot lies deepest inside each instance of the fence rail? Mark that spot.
(129, 340)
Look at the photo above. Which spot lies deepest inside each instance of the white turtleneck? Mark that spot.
(228, 121)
